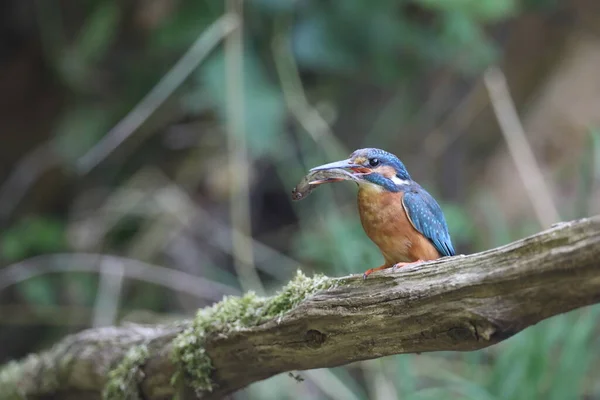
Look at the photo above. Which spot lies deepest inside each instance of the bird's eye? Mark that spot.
(373, 162)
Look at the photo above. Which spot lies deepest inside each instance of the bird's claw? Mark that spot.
(404, 264)
(393, 267)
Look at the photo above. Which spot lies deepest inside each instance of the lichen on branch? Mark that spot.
(236, 314)
(20, 379)
(123, 380)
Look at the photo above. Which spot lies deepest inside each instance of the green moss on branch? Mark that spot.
(19, 379)
(235, 314)
(10, 374)
(123, 380)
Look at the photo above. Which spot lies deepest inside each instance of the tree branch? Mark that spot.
(461, 303)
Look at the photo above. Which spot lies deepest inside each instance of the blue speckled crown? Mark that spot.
(386, 158)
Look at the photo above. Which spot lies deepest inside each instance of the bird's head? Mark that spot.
(375, 167)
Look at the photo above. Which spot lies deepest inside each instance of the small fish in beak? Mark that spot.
(318, 177)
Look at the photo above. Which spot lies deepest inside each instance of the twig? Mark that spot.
(59, 315)
(239, 194)
(380, 386)
(201, 48)
(24, 175)
(106, 306)
(151, 193)
(201, 288)
(519, 148)
(53, 315)
(438, 140)
(309, 118)
(330, 384)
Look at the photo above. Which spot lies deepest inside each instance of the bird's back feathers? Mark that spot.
(427, 217)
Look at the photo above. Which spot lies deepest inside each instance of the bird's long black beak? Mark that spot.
(343, 164)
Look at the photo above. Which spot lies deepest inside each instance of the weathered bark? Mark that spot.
(462, 303)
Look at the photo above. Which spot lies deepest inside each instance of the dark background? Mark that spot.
(144, 233)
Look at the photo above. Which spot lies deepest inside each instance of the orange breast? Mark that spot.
(387, 225)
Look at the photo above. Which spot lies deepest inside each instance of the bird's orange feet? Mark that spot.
(404, 264)
(370, 271)
(394, 267)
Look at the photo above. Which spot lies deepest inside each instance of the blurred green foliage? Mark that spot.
(32, 236)
(264, 109)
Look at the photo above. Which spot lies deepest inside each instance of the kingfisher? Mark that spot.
(397, 214)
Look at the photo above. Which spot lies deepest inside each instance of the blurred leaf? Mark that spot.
(542, 5)
(32, 236)
(595, 145)
(147, 296)
(464, 43)
(528, 365)
(526, 227)
(12, 249)
(493, 10)
(459, 222)
(406, 379)
(95, 37)
(81, 287)
(264, 108)
(317, 47)
(587, 177)
(486, 10)
(99, 31)
(436, 393)
(38, 290)
(337, 244)
(512, 380)
(275, 6)
(183, 27)
(575, 359)
(498, 228)
(276, 388)
(595, 178)
(79, 129)
(383, 32)
(468, 387)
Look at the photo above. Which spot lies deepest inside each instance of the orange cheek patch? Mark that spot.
(386, 171)
(362, 170)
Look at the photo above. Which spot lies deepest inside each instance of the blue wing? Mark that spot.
(427, 217)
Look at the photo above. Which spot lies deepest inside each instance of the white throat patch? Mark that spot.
(398, 181)
(369, 186)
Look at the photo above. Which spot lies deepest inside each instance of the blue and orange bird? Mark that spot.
(397, 214)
